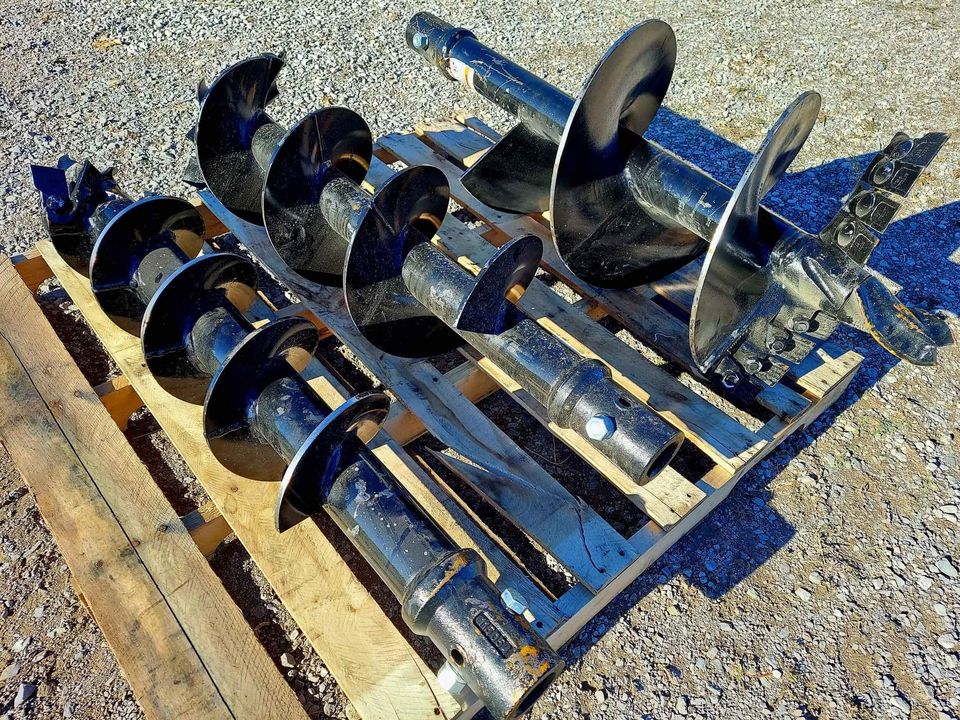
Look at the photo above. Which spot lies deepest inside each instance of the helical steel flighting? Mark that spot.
(255, 400)
(411, 300)
(624, 211)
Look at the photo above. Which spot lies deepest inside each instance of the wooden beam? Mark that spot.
(182, 642)
(207, 527)
(120, 400)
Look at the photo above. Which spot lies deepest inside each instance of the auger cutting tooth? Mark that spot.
(874, 309)
(872, 206)
(78, 202)
(897, 168)
(191, 173)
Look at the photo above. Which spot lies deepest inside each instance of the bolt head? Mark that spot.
(778, 345)
(753, 366)
(420, 41)
(730, 380)
(450, 680)
(846, 233)
(800, 324)
(902, 149)
(514, 601)
(864, 205)
(601, 427)
(55, 203)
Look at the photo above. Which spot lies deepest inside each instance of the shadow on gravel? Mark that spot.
(915, 252)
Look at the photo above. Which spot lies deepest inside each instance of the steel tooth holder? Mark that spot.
(196, 319)
(409, 299)
(623, 211)
(78, 201)
(235, 137)
(768, 289)
(257, 400)
(137, 250)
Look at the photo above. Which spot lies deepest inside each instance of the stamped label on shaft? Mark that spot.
(462, 72)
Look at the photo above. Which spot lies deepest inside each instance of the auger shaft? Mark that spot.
(156, 266)
(577, 392)
(214, 336)
(443, 589)
(675, 193)
(265, 141)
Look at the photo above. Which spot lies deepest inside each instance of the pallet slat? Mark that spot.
(180, 639)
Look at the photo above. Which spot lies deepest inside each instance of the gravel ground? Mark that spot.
(826, 586)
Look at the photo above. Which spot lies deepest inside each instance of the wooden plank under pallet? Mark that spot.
(180, 639)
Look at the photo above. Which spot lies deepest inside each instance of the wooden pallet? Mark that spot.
(365, 652)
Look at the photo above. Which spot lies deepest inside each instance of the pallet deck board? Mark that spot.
(182, 642)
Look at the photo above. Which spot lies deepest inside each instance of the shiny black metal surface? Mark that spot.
(333, 144)
(256, 400)
(625, 211)
(577, 392)
(234, 136)
(768, 290)
(78, 201)
(137, 250)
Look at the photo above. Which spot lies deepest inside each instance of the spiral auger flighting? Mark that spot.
(624, 211)
(792, 288)
(136, 252)
(410, 299)
(235, 136)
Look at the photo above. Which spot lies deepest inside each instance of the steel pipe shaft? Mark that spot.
(443, 589)
(577, 392)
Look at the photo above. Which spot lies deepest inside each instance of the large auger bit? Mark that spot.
(624, 211)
